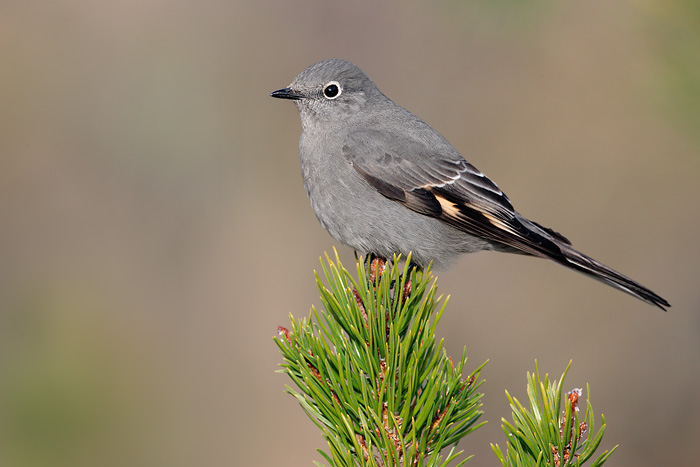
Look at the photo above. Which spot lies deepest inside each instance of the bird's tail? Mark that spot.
(592, 268)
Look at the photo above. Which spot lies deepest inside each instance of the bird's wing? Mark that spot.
(432, 178)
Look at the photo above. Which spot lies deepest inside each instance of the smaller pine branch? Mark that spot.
(369, 372)
(547, 435)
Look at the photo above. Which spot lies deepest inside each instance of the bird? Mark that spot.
(384, 182)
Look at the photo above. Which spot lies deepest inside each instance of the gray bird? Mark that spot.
(382, 181)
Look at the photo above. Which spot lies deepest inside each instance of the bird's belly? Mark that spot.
(355, 214)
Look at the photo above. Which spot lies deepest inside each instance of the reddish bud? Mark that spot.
(284, 332)
(363, 445)
(315, 372)
(573, 398)
(582, 429)
(376, 268)
(406, 290)
(361, 305)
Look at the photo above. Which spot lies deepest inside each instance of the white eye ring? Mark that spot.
(332, 90)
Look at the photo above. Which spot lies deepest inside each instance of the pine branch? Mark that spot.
(544, 435)
(370, 375)
(369, 372)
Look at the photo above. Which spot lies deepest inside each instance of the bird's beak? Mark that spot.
(287, 93)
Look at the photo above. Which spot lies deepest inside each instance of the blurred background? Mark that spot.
(154, 230)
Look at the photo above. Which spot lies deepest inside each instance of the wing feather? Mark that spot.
(436, 181)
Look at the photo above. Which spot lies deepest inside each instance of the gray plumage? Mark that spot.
(382, 181)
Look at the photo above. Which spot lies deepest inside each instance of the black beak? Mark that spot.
(287, 93)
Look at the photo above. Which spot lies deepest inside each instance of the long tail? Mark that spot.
(592, 268)
(511, 232)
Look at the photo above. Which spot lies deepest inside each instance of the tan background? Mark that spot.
(155, 231)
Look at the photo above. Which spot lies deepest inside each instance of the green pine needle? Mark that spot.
(369, 373)
(546, 435)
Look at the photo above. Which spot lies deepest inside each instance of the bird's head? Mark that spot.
(330, 90)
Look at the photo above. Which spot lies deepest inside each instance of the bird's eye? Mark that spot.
(331, 90)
